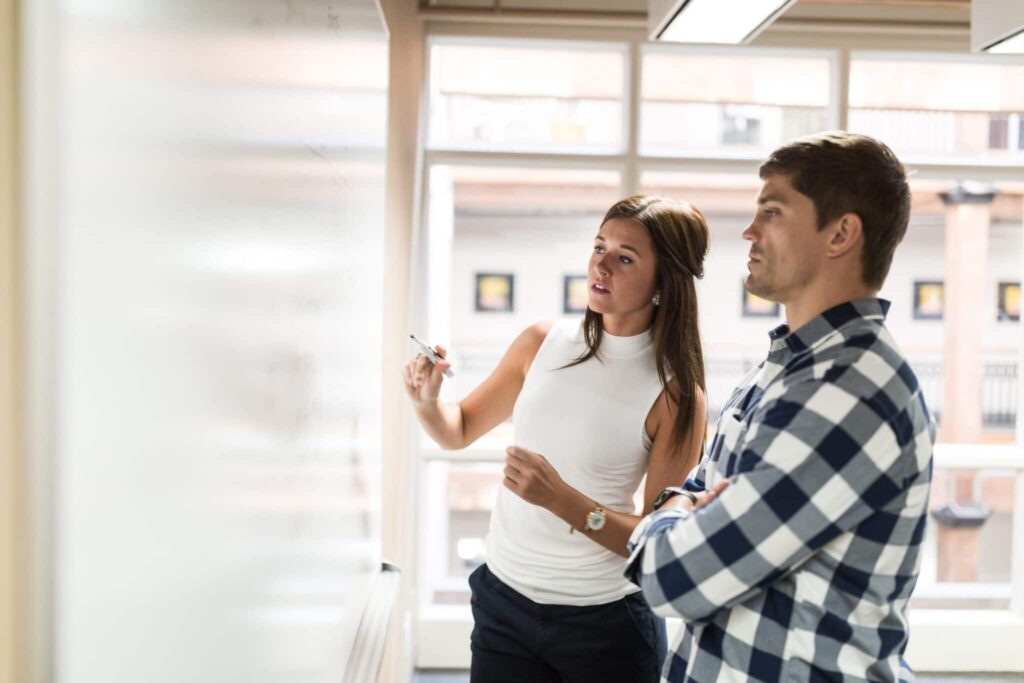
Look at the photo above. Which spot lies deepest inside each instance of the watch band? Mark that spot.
(671, 492)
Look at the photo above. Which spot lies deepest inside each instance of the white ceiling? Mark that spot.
(954, 11)
(942, 25)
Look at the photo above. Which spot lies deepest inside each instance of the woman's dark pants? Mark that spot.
(516, 640)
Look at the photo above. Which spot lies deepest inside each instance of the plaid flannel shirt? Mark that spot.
(803, 567)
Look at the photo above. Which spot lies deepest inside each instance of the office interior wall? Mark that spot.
(11, 614)
(399, 464)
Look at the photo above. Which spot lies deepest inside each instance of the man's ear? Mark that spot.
(847, 232)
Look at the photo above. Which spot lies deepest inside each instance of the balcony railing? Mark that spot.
(998, 400)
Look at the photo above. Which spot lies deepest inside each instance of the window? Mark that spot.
(938, 107)
(508, 194)
(700, 101)
(741, 126)
(512, 97)
(969, 540)
(458, 501)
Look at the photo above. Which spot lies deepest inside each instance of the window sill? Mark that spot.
(940, 640)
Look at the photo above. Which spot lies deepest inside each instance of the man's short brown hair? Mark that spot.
(848, 173)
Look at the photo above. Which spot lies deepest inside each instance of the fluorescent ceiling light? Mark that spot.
(712, 21)
(1014, 45)
(997, 26)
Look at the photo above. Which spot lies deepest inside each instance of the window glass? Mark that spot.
(968, 541)
(728, 103)
(459, 500)
(939, 108)
(526, 98)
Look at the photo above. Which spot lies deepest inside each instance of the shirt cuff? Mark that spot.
(651, 525)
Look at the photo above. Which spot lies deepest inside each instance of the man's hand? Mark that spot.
(531, 477)
(704, 498)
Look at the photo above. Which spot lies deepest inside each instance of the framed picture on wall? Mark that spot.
(1009, 301)
(756, 307)
(574, 294)
(928, 296)
(495, 292)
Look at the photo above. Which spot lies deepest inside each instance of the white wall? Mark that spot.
(12, 586)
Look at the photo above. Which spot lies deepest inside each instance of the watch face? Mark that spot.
(595, 520)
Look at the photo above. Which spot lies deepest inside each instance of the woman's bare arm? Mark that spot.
(457, 425)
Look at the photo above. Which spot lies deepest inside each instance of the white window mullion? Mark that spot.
(1017, 551)
(631, 114)
(466, 157)
(839, 102)
(1013, 137)
(440, 233)
(433, 532)
(1017, 539)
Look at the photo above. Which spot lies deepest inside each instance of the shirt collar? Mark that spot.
(817, 329)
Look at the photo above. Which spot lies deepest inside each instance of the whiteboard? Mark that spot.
(219, 192)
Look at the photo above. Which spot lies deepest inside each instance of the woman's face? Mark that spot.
(621, 275)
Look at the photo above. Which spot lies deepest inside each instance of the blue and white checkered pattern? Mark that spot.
(803, 567)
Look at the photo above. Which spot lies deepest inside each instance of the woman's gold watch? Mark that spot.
(596, 519)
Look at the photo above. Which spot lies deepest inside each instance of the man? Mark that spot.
(797, 561)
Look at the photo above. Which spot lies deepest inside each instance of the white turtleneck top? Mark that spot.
(588, 421)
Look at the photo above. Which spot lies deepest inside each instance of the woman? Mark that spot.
(606, 402)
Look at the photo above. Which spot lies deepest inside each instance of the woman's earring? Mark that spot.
(656, 299)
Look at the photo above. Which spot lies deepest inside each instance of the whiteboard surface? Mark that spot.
(220, 195)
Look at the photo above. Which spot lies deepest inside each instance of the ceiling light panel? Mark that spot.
(997, 26)
(730, 22)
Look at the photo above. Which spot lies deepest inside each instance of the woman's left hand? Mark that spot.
(531, 477)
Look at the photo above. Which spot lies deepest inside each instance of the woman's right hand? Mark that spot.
(423, 378)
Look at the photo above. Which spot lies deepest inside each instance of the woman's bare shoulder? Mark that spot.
(524, 349)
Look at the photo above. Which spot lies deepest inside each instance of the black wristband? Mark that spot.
(672, 492)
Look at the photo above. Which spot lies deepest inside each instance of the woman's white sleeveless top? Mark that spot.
(588, 421)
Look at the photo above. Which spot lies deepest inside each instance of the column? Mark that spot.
(12, 527)
(400, 467)
(968, 216)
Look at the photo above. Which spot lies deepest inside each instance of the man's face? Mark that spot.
(787, 251)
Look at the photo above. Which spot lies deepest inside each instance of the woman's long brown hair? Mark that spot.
(680, 236)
